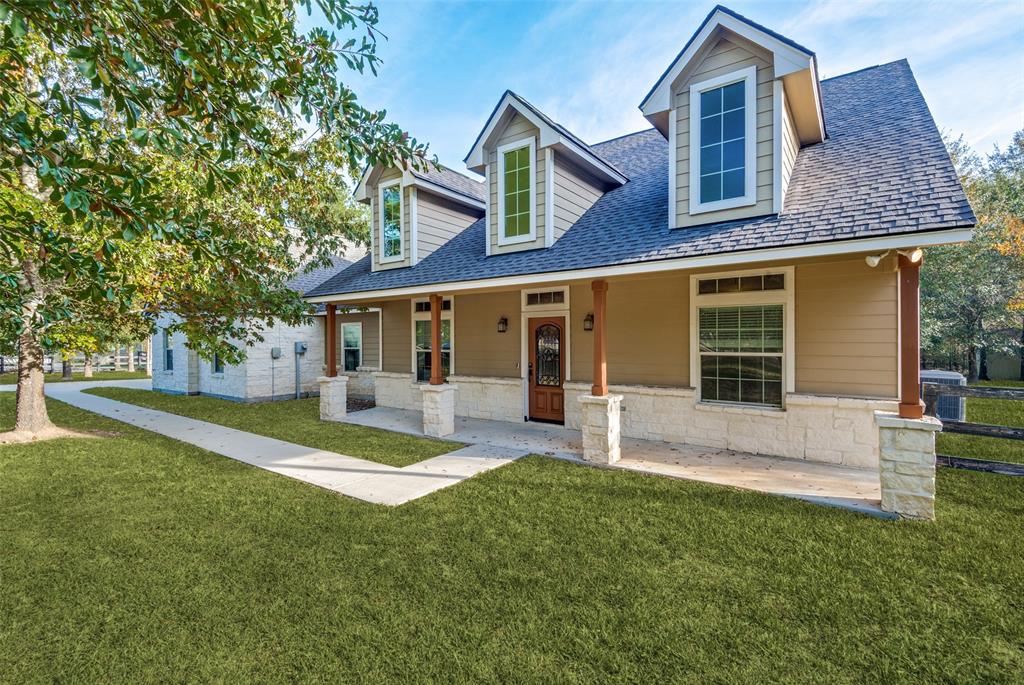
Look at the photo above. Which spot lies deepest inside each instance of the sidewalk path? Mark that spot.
(359, 478)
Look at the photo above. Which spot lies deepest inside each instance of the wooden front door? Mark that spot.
(547, 368)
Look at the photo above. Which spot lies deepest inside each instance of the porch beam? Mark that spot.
(600, 386)
(911, 406)
(436, 377)
(332, 332)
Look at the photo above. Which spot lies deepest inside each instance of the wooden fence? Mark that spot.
(932, 392)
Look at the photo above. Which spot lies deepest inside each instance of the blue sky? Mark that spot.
(588, 64)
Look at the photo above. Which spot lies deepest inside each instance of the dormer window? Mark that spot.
(516, 193)
(391, 247)
(723, 172)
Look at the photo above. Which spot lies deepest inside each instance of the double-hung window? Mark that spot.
(218, 363)
(352, 345)
(168, 351)
(516, 192)
(743, 351)
(390, 201)
(723, 142)
(422, 341)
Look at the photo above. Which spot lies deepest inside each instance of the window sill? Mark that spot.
(518, 240)
(720, 205)
(749, 409)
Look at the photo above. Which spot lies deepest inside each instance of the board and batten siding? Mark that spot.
(438, 220)
(371, 337)
(847, 319)
(519, 128)
(726, 56)
(575, 192)
(397, 343)
(479, 348)
(385, 176)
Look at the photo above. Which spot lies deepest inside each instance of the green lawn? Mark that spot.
(138, 558)
(12, 378)
(997, 412)
(296, 421)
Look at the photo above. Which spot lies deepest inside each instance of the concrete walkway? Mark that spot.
(358, 478)
(831, 485)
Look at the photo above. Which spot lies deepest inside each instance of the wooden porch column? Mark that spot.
(332, 343)
(911, 406)
(600, 387)
(436, 376)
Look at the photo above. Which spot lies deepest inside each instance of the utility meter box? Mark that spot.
(300, 347)
(275, 352)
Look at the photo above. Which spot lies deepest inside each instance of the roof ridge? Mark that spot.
(863, 69)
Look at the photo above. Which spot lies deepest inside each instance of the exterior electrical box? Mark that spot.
(300, 347)
(275, 352)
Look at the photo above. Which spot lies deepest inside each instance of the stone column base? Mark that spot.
(906, 464)
(333, 397)
(438, 410)
(600, 425)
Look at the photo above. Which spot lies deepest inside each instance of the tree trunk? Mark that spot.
(30, 416)
(983, 365)
(149, 357)
(131, 358)
(1022, 349)
(65, 368)
(87, 373)
(117, 359)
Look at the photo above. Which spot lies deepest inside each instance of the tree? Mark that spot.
(971, 293)
(128, 131)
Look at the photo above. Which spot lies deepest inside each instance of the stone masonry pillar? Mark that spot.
(600, 424)
(333, 397)
(906, 464)
(438, 410)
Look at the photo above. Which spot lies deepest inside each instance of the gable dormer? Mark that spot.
(414, 212)
(540, 178)
(736, 105)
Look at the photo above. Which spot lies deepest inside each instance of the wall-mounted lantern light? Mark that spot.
(502, 324)
(588, 322)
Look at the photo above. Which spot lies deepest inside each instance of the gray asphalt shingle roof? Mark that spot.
(303, 281)
(883, 171)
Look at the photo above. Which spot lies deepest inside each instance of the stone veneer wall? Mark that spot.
(833, 430)
(361, 383)
(397, 390)
(497, 399)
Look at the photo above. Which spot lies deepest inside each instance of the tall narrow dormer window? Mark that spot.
(723, 142)
(516, 193)
(391, 222)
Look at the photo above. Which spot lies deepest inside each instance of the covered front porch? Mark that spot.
(851, 488)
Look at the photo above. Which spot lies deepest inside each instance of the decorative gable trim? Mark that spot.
(550, 135)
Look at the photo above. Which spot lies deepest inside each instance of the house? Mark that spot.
(744, 274)
(288, 357)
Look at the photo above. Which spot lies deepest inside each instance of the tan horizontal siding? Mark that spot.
(517, 129)
(397, 343)
(480, 350)
(371, 337)
(575, 192)
(846, 328)
(438, 220)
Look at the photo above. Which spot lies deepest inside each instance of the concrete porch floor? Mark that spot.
(831, 485)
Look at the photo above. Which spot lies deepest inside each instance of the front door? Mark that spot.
(547, 369)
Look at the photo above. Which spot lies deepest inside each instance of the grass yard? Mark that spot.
(12, 377)
(996, 412)
(296, 421)
(138, 558)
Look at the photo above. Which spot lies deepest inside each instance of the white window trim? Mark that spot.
(213, 366)
(380, 224)
(749, 76)
(785, 297)
(537, 311)
(359, 325)
(168, 346)
(530, 142)
(425, 316)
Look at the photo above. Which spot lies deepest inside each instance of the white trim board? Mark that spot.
(727, 259)
(531, 143)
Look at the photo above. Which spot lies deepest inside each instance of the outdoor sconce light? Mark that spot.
(502, 324)
(588, 322)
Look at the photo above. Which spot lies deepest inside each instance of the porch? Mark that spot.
(855, 489)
